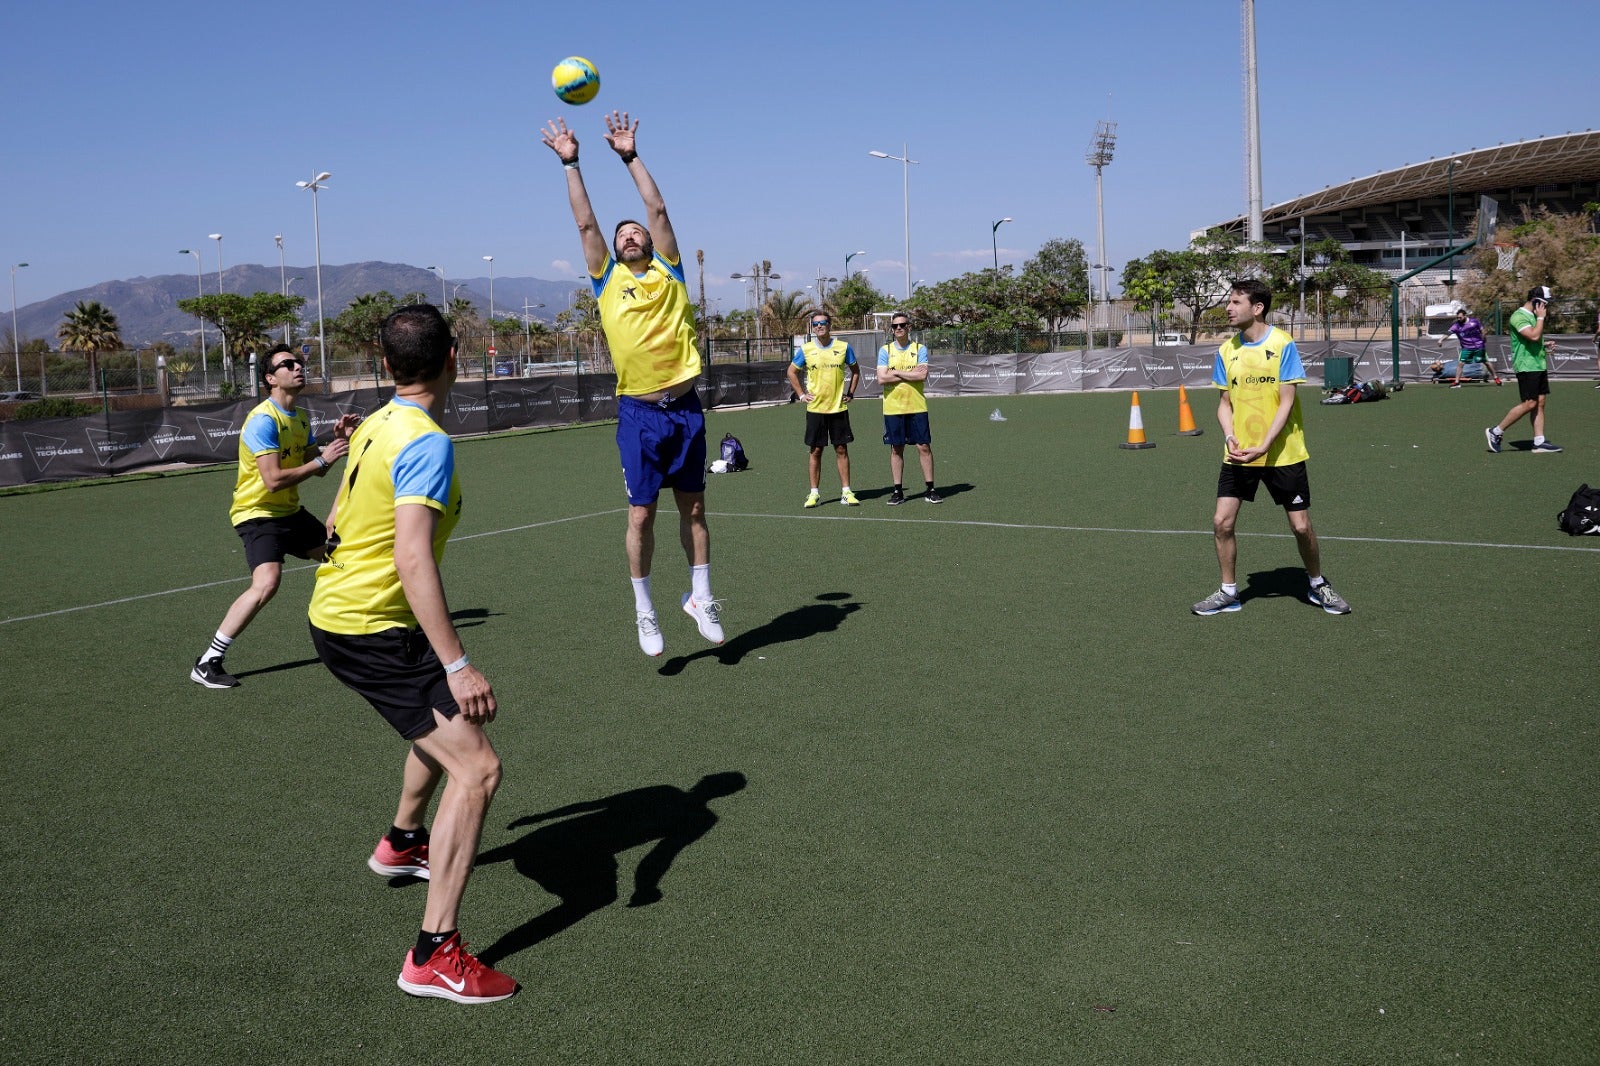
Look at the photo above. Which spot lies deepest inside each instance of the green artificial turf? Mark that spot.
(1004, 798)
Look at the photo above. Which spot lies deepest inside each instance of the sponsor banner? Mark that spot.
(63, 449)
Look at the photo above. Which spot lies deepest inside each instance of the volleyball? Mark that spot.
(575, 80)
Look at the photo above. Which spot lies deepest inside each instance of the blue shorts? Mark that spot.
(900, 430)
(662, 446)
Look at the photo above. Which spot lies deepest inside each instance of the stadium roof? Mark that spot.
(1543, 161)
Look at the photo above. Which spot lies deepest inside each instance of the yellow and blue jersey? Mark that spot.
(903, 397)
(649, 324)
(825, 373)
(269, 428)
(397, 456)
(1250, 373)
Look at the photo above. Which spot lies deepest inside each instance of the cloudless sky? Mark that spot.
(133, 130)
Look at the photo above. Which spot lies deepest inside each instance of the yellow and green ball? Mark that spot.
(575, 80)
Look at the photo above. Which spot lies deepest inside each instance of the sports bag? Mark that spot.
(733, 453)
(1582, 514)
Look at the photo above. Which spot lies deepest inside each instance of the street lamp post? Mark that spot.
(994, 241)
(288, 324)
(1300, 235)
(847, 259)
(444, 304)
(527, 329)
(315, 185)
(1450, 194)
(222, 323)
(16, 342)
(200, 290)
(490, 260)
(283, 281)
(905, 162)
(760, 274)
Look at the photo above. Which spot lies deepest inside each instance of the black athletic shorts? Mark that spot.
(1289, 486)
(268, 540)
(823, 429)
(396, 671)
(1532, 384)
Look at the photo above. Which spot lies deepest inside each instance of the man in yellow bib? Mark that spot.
(827, 362)
(1256, 371)
(276, 453)
(661, 427)
(903, 372)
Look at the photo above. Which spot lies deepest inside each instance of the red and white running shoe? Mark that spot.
(392, 862)
(454, 973)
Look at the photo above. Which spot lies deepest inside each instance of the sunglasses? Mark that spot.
(287, 364)
(899, 325)
(819, 322)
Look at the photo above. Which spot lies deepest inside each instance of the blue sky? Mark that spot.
(133, 130)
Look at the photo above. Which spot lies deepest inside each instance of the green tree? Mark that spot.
(785, 313)
(244, 320)
(91, 328)
(1560, 251)
(359, 324)
(1197, 277)
(1055, 283)
(854, 298)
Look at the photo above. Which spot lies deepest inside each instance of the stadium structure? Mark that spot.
(1398, 219)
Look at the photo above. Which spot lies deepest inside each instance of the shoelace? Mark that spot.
(713, 609)
(648, 625)
(462, 961)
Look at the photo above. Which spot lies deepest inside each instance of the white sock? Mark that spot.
(218, 647)
(844, 490)
(641, 595)
(1539, 439)
(700, 582)
(1318, 581)
(1232, 590)
(815, 491)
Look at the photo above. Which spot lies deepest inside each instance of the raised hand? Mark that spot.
(620, 132)
(560, 140)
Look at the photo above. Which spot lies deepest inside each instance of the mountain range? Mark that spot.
(147, 308)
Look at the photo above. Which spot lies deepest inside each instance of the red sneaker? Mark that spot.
(455, 973)
(391, 862)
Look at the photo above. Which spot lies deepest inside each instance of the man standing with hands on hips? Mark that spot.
(827, 399)
(1528, 361)
(661, 427)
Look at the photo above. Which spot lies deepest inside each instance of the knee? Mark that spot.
(265, 586)
(1222, 525)
(481, 775)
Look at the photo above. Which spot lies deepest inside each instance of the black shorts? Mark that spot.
(268, 540)
(1532, 384)
(822, 430)
(396, 671)
(1289, 485)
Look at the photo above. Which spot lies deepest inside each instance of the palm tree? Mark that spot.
(786, 312)
(92, 328)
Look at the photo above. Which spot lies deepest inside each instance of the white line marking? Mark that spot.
(863, 518)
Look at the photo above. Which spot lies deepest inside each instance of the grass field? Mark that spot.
(1005, 800)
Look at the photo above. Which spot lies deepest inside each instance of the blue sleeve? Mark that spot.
(1219, 372)
(605, 275)
(261, 435)
(675, 270)
(922, 354)
(799, 359)
(424, 468)
(849, 355)
(883, 356)
(1289, 368)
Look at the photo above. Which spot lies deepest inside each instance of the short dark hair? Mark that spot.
(1255, 290)
(818, 312)
(264, 366)
(416, 342)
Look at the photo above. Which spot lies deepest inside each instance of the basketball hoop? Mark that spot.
(1507, 254)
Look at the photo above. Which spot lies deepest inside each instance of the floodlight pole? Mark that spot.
(16, 342)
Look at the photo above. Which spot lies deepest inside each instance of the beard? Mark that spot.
(639, 253)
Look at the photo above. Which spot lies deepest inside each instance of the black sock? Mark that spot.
(428, 943)
(930, 486)
(899, 488)
(401, 839)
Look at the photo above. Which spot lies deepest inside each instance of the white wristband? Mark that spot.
(457, 666)
(323, 461)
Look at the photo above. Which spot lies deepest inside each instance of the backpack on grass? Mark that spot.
(1582, 514)
(733, 454)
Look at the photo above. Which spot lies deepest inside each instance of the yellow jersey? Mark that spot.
(1250, 374)
(649, 324)
(825, 373)
(269, 428)
(903, 397)
(397, 456)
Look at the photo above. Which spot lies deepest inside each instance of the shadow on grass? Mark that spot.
(574, 855)
(465, 618)
(798, 624)
(913, 495)
(1290, 581)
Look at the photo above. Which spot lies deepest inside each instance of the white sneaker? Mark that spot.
(650, 641)
(708, 616)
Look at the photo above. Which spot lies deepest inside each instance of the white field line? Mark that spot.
(1030, 526)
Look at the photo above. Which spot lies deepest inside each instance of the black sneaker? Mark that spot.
(212, 675)
(1548, 447)
(932, 497)
(1494, 437)
(896, 498)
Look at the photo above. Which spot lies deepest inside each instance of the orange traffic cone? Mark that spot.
(1186, 426)
(1136, 427)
